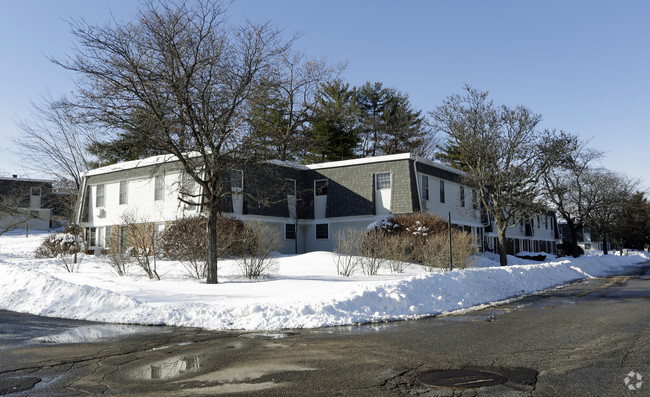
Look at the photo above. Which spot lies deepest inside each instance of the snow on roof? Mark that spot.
(154, 160)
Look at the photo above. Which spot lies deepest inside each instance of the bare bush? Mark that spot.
(142, 243)
(374, 252)
(184, 240)
(433, 253)
(347, 246)
(261, 241)
(399, 251)
(118, 261)
(68, 248)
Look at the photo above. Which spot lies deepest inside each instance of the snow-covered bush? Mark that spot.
(66, 247)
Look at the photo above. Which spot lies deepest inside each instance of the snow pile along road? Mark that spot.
(306, 292)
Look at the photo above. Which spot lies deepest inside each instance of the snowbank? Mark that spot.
(306, 292)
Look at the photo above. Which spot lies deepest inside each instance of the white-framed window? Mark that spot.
(107, 237)
(320, 187)
(290, 231)
(425, 187)
(442, 191)
(322, 231)
(92, 241)
(188, 191)
(291, 187)
(236, 180)
(159, 188)
(99, 196)
(383, 181)
(124, 192)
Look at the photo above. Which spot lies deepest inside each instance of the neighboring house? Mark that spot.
(588, 240)
(308, 204)
(30, 203)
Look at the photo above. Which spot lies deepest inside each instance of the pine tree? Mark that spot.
(334, 130)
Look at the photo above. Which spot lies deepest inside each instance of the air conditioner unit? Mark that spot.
(101, 213)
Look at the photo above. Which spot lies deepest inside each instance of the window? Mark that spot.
(425, 187)
(546, 222)
(35, 191)
(236, 179)
(290, 231)
(462, 196)
(99, 196)
(159, 188)
(442, 191)
(93, 237)
(188, 191)
(107, 236)
(291, 187)
(538, 222)
(124, 192)
(322, 231)
(33, 214)
(320, 187)
(383, 181)
(124, 238)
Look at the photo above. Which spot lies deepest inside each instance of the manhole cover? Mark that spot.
(461, 379)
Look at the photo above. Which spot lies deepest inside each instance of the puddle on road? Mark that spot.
(172, 368)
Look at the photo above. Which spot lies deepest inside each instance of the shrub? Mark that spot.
(142, 243)
(184, 240)
(434, 252)
(66, 247)
(347, 246)
(260, 241)
(374, 252)
(420, 238)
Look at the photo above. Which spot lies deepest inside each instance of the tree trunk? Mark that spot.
(575, 251)
(604, 243)
(211, 243)
(503, 244)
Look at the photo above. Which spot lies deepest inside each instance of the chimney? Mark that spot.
(15, 176)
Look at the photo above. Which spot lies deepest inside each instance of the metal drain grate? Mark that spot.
(461, 379)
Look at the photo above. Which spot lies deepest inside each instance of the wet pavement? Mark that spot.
(584, 339)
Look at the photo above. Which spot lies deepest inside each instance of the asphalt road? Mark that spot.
(579, 340)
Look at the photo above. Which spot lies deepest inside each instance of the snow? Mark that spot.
(305, 292)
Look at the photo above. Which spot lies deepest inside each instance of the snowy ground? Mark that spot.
(306, 292)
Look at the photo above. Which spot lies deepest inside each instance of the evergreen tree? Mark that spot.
(403, 127)
(372, 100)
(334, 130)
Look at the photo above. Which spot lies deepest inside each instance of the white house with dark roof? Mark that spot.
(306, 203)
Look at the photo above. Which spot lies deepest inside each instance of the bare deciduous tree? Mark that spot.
(564, 187)
(192, 74)
(13, 211)
(605, 193)
(54, 141)
(502, 153)
(285, 104)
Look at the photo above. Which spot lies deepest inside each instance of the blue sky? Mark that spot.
(583, 65)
